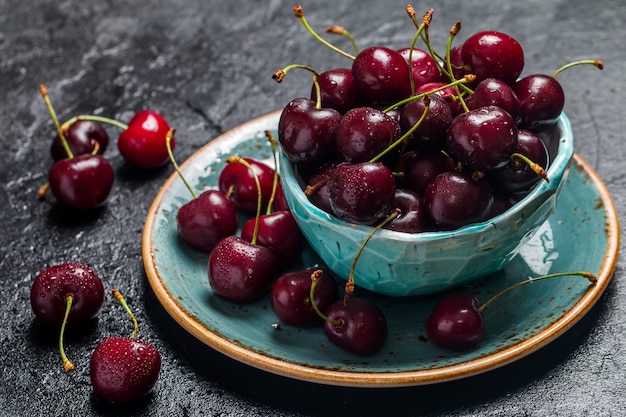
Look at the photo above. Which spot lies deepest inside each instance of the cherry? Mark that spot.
(425, 69)
(483, 139)
(307, 133)
(492, 54)
(420, 168)
(337, 90)
(69, 292)
(541, 100)
(124, 369)
(361, 192)
(365, 132)
(412, 217)
(142, 144)
(291, 300)
(494, 92)
(381, 75)
(239, 184)
(83, 137)
(456, 323)
(431, 133)
(457, 198)
(278, 231)
(82, 182)
(317, 191)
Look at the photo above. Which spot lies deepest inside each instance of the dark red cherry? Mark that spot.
(517, 175)
(456, 322)
(363, 133)
(358, 326)
(306, 133)
(143, 143)
(431, 133)
(291, 300)
(80, 136)
(420, 168)
(240, 271)
(83, 182)
(52, 286)
(238, 183)
(483, 139)
(361, 192)
(279, 232)
(318, 183)
(492, 54)
(425, 69)
(337, 90)
(381, 75)
(207, 219)
(412, 217)
(456, 198)
(124, 369)
(494, 92)
(541, 100)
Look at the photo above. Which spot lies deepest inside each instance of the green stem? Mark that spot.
(340, 30)
(93, 118)
(67, 364)
(168, 144)
(595, 62)
(456, 28)
(240, 160)
(270, 138)
(120, 299)
(279, 75)
(46, 98)
(297, 10)
(315, 277)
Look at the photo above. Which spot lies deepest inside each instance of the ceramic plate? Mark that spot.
(582, 234)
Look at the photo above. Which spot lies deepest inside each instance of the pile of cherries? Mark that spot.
(449, 139)
(81, 178)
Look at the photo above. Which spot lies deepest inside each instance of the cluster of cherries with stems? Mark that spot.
(449, 139)
(81, 178)
(122, 369)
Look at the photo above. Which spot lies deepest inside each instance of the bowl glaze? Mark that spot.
(403, 264)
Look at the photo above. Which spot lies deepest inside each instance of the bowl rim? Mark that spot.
(555, 172)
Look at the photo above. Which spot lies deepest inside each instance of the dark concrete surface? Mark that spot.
(206, 66)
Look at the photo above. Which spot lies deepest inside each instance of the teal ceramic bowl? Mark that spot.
(402, 264)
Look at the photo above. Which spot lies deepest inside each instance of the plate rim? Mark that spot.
(379, 379)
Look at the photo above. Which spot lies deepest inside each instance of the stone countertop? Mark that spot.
(206, 65)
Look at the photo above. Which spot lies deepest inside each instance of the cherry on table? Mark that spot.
(142, 144)
(82, 137)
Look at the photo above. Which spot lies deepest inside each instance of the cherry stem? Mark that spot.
(456, 28)
(240, 160)
(67, 364)
(349, 290)
(120, 299)
(315, 277)
(310, 189)
(93, 118)
(168, 143)
(299, 13)
(595, 62)
(340, 30)
(535, 167)
(588, 275)
(418, 33)
(405, 137)
(46, 98)
(280, 74)
(270, 138)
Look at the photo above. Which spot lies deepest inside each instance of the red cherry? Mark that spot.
(142, 144)
(83, 182)
(456, 322)
(278, 231)
(238, 183)
(492, 54)
(80, 137)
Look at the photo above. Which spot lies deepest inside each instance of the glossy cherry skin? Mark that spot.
(318, 181)
(381, 75)
(51, 287)
(124, 369)
(492, 54)
(431, 133)
(425, 69)
(290, 297)
(207, 219)
(412, 216)
(456, 323)
(83, 182)
(483, 139)
(541, 100)
(361, 327)
(240, 271)
(420, 168)
(365, 132)
(143, 143)
(494, 92)
(455, 199)
(337, 90)
(279, 232)
(80, 136)
(306, 133)
(361, 193)
(238, 183)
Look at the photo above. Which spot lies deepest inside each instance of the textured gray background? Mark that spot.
(206, 65)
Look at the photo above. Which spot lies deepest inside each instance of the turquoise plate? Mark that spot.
(582, 234)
